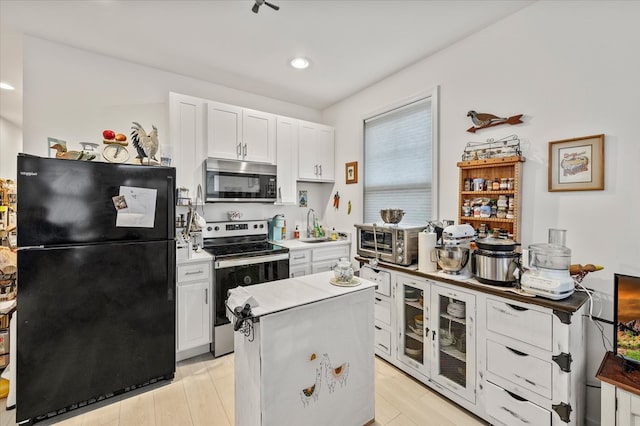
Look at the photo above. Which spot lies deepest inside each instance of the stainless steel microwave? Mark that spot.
(239, 181)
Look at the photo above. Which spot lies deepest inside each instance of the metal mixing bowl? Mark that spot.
(452, 259)
(391, 215)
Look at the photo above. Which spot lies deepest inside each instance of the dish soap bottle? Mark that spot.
(334, 234)
(296, 233)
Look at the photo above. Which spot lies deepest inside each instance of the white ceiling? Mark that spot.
(351, 44)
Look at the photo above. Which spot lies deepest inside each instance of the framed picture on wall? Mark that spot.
(577, 164)
(302, 198)
(351, 172)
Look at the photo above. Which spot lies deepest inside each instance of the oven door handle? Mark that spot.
(221, 264)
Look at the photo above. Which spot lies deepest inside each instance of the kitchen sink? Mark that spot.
(315, 240)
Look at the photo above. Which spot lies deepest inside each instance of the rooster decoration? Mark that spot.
(146, 145)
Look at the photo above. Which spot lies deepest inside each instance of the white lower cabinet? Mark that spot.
(193, 312)
(511, 409)
(383, 310)
(318, 259)
(535, 355)
(453, 323)
(506, 360)
(436, 333)
(299, 263)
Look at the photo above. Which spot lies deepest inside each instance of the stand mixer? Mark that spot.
(453, 255)
(547, 265)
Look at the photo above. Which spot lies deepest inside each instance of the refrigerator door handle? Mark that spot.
(171, 270)
(206, 296)
(171, 193)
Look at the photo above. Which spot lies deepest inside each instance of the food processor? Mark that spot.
(453, 255)
(547, 265)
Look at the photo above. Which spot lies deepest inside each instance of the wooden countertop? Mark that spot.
(569, 305)
(612, 371)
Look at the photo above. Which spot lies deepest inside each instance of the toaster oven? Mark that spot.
(390, 243)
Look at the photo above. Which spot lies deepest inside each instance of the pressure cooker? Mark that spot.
(496, 262)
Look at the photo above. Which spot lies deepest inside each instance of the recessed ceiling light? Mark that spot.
(6, 86)
(300, 63)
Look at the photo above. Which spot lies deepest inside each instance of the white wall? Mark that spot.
(73, 95)
(10, 145)
(571, 68)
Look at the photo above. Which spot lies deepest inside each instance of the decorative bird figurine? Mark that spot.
(483, 120)
(61, 152)
(146, 145)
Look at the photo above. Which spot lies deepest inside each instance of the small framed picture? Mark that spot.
(351, 172)
(302, 198)
(577, 164)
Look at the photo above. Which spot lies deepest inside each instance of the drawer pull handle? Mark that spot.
(383, 346)
(514, 414)
(531, 382)
(433, 335)
(516, 397)
(516, 308)
(516, 352)
(378, 299)
(299, 257)
(377, 328)
(199, 271)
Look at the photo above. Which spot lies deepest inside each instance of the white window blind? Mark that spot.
(398, 163)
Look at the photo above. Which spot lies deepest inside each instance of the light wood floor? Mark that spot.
(202, 394)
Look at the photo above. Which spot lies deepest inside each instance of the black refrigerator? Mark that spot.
(96, 279)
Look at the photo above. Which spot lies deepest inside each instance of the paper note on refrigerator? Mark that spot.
(140, 210)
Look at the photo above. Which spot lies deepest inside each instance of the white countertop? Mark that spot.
(298, 245)
(285, 294)
(196, 256)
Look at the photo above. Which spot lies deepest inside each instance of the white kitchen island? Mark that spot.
(306, 354)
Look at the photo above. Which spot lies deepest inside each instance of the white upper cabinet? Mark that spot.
(224, 131)
(240, 134)
(258, 136)
(187, 124)
(316, 153)
(287, 159)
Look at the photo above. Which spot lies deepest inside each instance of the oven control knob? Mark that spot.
(399, 250)
(255, 226)
(217, 228)
(400, 258)
(261, 226)
(209, 228)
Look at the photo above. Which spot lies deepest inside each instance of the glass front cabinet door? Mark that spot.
(413, 350)
(453, 343)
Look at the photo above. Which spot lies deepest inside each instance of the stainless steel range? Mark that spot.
(242, 256)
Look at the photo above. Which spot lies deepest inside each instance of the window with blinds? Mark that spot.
(399, 163)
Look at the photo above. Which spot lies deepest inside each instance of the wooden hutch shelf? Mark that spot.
(491, 169)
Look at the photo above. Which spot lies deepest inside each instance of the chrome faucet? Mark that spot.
(311, 231)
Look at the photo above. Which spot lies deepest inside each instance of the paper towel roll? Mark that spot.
(426, 245)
